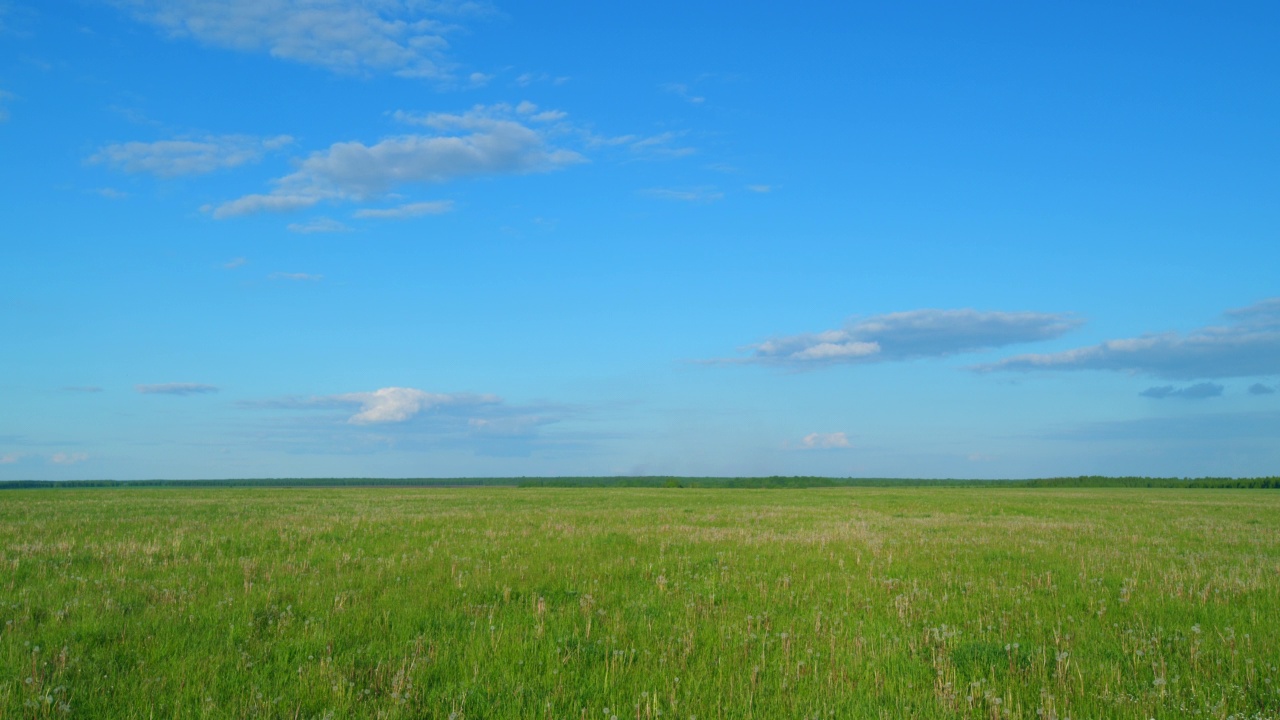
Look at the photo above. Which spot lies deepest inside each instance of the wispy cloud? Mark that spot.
(909, 335)
(530, 78)
(111, 193)
(176, 389)
(760, 188)
(391, 406)
(1199, 391)
(486, 140)
(5, 97)
(188, 156)
(407, 418)
(661, 146)
(64, 458)
(692, 195)
(399, 404)
(9, 458)
(251, 204)
(134, 116)
(1197, 428)
(410, 210)
(401, 37)
(295, 276)
(1247, 344)
(234, 263)
(82, 388)
(682, 91)
(824, 441)
(517, 426)
(318, 225)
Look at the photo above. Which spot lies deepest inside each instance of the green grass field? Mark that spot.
(640, 603)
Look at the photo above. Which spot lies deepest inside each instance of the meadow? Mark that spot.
(603, 603)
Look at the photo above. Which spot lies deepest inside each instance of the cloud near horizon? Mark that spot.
(176, 389)
(1181, 430)
(398, 404)
(484, 141)
(407, 419)
(825, 441)
(1246, 345)
(1199, 391)
(910, 335)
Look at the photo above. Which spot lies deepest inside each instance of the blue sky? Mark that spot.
(399, 238)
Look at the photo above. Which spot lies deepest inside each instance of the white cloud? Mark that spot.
(908, 335)
(318, 225)
(9, 458)
(695, 195)
(63, 458)
(188, 156)
(176, 389)
(482, 141)
(436, 207)
(760, 188)
(399, 404)
(479, 79)
(234, 263)
(1248, 344)
(402, 37)
(296, 277)
(825, 441)
(111, 193)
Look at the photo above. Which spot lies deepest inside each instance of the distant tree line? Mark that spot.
(663, 481)
(1085, 481)
(266, 483)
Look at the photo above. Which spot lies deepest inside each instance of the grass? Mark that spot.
(640, 603)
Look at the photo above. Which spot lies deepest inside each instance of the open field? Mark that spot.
(640, 603)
